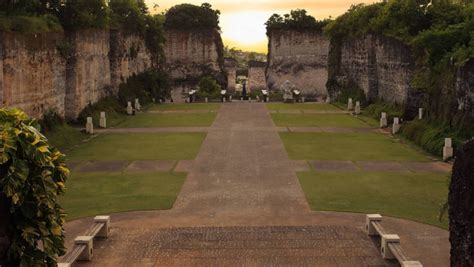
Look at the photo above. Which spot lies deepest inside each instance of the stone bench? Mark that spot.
(390, 247)
(84, 245)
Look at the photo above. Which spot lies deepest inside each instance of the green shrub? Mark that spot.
(33, 174)
(30, 24)
(375, 110)
(208, 87)
(110, 105)
(145, 86)
(431, 137)
(298, 20)
(187, 17)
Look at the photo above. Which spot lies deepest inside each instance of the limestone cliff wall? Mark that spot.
(66, 71)
(382, 67)
(230, 65)
(301, 58)
(32, 72)
(128, 56)
(190, 55)
(256, 77)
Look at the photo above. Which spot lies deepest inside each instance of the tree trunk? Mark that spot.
(4, 220)
(461, 208)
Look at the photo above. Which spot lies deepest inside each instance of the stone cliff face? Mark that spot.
(256, 77)
(32, 72)
(88, 70)
(128, 56)
(190, 55)
(382, 67)
(301, 58)
(230, 65)
(66, 71)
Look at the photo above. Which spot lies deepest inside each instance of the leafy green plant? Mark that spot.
(296, 20)
(188, 16)
(375, 110)
(208, 87)
(33, 174)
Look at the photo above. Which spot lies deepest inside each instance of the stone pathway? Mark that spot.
(242, 205)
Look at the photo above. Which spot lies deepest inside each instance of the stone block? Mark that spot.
(89, 126)
(206, 99)
(103, 120)
(357, 108)
(104, 232)
(64, 264)
(384, 249)
(369, 219)
(137, 104)
(396, 125)
(230, 98)
(420, 113)
(250, 99)
(241, 99)
(129, 108)
(302, 99)
(411, 264)
(86, 255)
(448, 152)
(350, 104)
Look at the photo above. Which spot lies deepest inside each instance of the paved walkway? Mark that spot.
(242, 205)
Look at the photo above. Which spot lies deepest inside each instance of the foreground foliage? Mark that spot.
(33, 174)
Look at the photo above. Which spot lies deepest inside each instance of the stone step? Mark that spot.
(250, 246)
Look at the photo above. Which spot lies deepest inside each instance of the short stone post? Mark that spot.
(411, 264)
(448, 150)
(420, 113)
(154, 100)
(161, 101)
(86, 255)
(103, 120)
(230, 98)
(396, 125)
(369, 219)
(384, 249)
(129, 108)
(137, 104)
(250, 99)
(258, 99)
(350, 104)
(328, 99)
(89, 126)
(224, 100)
(206, 99)
(357, 108)
(302, 99)
(241, 99)
(104, 231)
(383, 120)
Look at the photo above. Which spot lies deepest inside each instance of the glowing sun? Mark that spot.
(245, 28)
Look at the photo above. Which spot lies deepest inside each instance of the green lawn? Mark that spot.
(317, 120)
(169, 120)
(140, 146)
(321, 107)
(64, 137)
(100, 193)
(413, 196)
(188, 106)
(347, 146)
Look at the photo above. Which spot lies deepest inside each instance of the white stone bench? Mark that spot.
(84, 245)
(390, 247)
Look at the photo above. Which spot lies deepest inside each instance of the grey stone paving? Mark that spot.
(334, 165)
(242, 177)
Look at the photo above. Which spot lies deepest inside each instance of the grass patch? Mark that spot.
(317, 120)
(169, 120)
(104, 193)
(64, 137)
(413, 196)
(140, 146)
(188, 106)
(29, 24)
(375, 111)
(347, 146)
(321, 107)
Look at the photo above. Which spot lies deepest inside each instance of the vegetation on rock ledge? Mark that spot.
(297, 20)
(192, 17)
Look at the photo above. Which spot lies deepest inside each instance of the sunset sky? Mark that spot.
(242, 21)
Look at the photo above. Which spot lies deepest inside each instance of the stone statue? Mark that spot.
(287, 89)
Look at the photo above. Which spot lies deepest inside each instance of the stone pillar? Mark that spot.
(383, 120)
(250, 99)
(461, 207)
(448, 149)
(350, 104)
(206, 99)
(230, 98)
(241, 99)
(420, 113)
(357, 108)
(396, 125)
(328, 100)
(137, 104)
(302, 99)
(89, 126)
(103, 120)
(129, 108)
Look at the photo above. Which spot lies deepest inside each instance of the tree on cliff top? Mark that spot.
(297, 20)
(189, 17)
